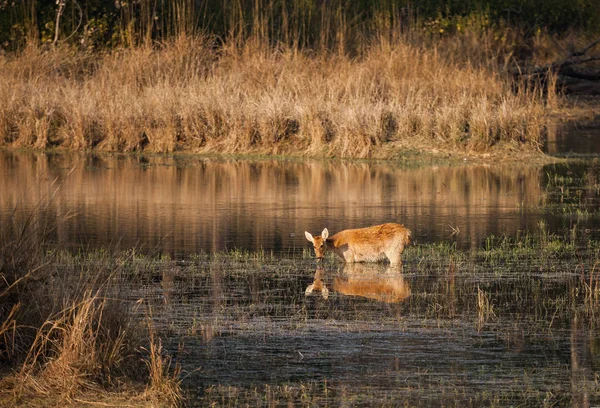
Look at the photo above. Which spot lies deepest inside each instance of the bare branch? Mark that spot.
(586, 49)
(561, 67)
(59, 12)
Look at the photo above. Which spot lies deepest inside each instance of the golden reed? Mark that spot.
(191, 95)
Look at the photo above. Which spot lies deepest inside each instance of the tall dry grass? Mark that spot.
(192, 94)
(65, 337)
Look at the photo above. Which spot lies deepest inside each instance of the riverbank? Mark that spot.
(190, 95)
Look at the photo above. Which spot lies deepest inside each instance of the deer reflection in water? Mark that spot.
(371, 281)
(318, 285)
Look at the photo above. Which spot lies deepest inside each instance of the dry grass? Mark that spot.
(65, 337)
(164, 384)
(76, 359)
(192, 95)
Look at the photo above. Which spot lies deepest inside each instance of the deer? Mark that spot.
(371, 244)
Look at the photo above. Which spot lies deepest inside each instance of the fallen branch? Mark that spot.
(586, 49)
(562, 67)
(579, 74)
(570, 75)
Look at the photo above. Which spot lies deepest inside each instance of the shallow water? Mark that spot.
(474, 321)
(183, 206)
(573, 139)
(240, 324)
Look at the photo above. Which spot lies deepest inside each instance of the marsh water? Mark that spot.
(252, 320)
(182, 206)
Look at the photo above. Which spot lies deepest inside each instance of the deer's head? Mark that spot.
(319, 243)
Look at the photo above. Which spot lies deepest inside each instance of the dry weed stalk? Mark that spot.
(485, 308)
(79, 351)
(592, 289)
(70, 352)
(72, 341)
(164, 383)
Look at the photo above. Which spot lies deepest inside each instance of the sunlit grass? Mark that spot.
(66, 337)
(191, 95)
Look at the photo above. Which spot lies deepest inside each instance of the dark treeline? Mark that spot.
(302, 23)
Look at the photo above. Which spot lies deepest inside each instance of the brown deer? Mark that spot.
(370, 244)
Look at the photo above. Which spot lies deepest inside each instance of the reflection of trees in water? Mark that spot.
(213, 205)
(368, 280)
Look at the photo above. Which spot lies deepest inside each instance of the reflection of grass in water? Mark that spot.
(417, 392)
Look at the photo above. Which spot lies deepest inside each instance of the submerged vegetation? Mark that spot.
(90, 325)
(508, 295)
(290, 78)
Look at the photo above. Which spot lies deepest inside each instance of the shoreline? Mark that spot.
(583, 111)
(409, 157)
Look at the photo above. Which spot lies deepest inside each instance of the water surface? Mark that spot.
(497, 303)
(187, 205)
(241, 325)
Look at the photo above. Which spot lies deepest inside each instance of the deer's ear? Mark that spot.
(309, 236)
(325, 293)
(325, 233)
(309, 290)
